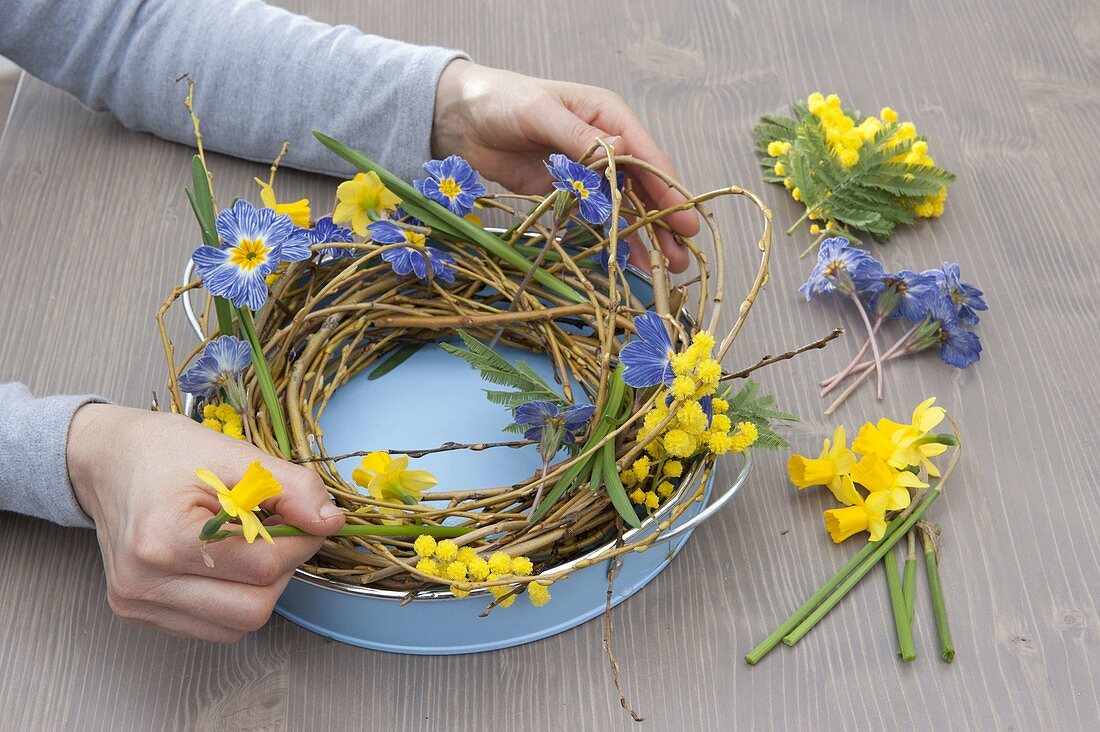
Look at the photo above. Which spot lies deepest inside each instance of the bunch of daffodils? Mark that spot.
(880, 483)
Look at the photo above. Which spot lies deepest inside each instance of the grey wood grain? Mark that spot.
(1008, 91)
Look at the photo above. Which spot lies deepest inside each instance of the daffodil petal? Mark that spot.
(376, 462)
(250, 526)
(415, 481)
(211, 480)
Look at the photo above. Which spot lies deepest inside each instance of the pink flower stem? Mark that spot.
(833, 381)
(871, 336)
(895, 351)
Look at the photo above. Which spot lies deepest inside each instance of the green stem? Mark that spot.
(897, 604)
(931, 563)
(874, 558)
(438, 532)
(909, 584)
(263, 378)
(807, 607)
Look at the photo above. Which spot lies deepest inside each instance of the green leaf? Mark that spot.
(748, 405)
(438, 217)
(267, 386)
(615, 490)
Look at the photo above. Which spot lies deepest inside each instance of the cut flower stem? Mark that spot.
(909, 582)
(897, 603)
(929, 536)
(438, 532)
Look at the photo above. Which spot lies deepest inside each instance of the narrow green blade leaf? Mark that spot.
(435, 216)
(615, 490)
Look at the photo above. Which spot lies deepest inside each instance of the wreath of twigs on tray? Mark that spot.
(328, 319)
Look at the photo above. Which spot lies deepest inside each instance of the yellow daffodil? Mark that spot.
(865, 514)
(875, 475)
(902, 446)
(388, 479)
(835, 462)
(256, 486)
(298, 211)
(361, 200)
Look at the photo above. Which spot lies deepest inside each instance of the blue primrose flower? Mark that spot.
(326, 232)
(907, 295)
(414, 258)
(966, 298)
(845, 269)
(254, 242)
(959, 347)
(647, 360)
(451, 183)
(584, 185)
(218, 367)
(540, 416)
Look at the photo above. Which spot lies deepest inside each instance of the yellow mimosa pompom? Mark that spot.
(655, 416)
(703, 341)
(719, 443)
(446, 550)
(788, 184)
(522, 566)
(815, 229)
(920, 147)
(651, 500)
(796, 194)
(682, 363)
(427, 566)
(456, 571)
(212, 424)
(691, 418)
(720, 423)
(777, 147)
(679, 443)
(780, 169)
(673, 469)
(708, 372)
(466, 555)
(906, 130)
(832, 101)
(459, 593)
(478, 569)
(888, 115)
(539, 594)
(640, 468)
(637, 496)
(848, 158)
(424, 546)
(628, 478)
(665, 489)
(746, 436)
(720, 406)
(210, 411)
(683, 387)
(500, 563)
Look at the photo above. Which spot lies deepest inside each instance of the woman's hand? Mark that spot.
(133, 473)
(506, 125)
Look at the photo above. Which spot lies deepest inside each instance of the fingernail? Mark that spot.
(329, 510)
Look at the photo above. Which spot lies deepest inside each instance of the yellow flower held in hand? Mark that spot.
(388, 479)
(256, 486)
(836, 461)
(361, 200)
(298, 211)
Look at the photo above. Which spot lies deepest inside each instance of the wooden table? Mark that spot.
(1008, 91)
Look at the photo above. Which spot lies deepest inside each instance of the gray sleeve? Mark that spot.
(34, 475)
(262, 74)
